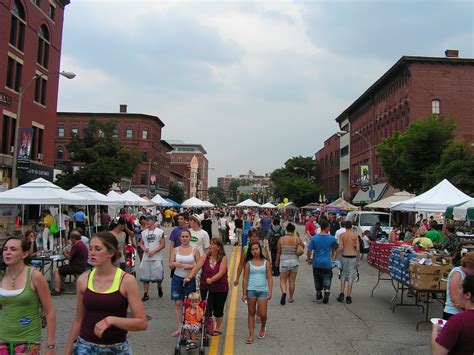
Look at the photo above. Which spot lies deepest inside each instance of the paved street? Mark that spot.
(366, 326)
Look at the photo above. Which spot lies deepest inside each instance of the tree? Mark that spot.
(102, 158)
(409, 158)
(456, 165)
(292, 181)
(176, 192)
(216, 195)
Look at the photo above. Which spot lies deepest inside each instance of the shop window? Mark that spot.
(17, 26)
(43, 47)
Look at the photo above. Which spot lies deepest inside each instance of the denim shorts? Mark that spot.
(82, 347)
(178, 291)
(261, 295)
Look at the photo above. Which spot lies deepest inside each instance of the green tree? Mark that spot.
(216, 195)
(292, 181)
(176, 192)
(456, 165)
(102, 158)
(409, 158)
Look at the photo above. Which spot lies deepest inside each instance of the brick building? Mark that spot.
(412, 89)
(30, 51)
(135, 130)
(328, 164)
(189, 167)
(259, 182)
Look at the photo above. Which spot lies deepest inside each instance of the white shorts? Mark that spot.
(151, 270)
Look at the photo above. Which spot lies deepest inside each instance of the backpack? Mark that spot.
(275, 236)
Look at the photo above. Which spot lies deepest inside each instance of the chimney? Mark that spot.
(451, 53)
(123, 108)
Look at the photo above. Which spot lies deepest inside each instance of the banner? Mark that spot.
(364, 174)
(26, 139)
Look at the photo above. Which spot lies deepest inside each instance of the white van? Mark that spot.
(364, 220)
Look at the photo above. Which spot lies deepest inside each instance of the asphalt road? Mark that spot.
(368, 325)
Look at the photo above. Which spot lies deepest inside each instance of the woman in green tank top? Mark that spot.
(22, 291)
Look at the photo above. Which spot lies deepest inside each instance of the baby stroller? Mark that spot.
(130, 256)
(202, 339)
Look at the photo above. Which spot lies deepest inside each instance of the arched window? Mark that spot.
(145, 133)
(143, 178)
(17, 26)
(60, 153)
(74, 129)
(144, 156)
(43, 46)
(60, 130)
(435, 107)
(129, 132)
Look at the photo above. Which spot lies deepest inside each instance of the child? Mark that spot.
(366, 243)
(257, 288)
(192, 319)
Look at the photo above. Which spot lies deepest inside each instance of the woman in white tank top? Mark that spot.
(182, 260)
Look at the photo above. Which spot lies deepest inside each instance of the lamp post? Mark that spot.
(22, 90)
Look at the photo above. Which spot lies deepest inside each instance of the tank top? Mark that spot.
(98, 305)
(449, 307)
(184, 259)
(221, 285)
(288, 254)
(20, 317)
(258, 277)
(121, 239)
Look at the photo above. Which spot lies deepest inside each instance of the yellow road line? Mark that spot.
(229, 339)
(215, 341)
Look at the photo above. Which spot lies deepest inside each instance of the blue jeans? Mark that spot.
(178, 290)
(260, 295)
(82, 347)
(322, 279)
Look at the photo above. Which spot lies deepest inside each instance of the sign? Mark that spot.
(365, 188)
(26, 140)
(364, 174)
(5, 99)
(34, 171)
(372, 194)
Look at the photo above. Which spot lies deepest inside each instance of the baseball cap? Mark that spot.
(196, 218)
(151, 217)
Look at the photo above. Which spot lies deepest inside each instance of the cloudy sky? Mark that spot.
(254, 82)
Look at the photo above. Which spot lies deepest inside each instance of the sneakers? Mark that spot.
(340, 298)
(319, 296)
(145, 297)
(160, 292)
(326, 297)
(348, 299)
(283, 299)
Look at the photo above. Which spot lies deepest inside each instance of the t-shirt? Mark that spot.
(310, 228)
(151, 240)
(334, 226)
(206, 224)
(78, 256)
(199, 240)
(366, 241)
(48, 220)
(175, 235)
(457, 335)
(265, 223)
(426, 243)
(339, 233)
(239, 223)
(168, 214)
(322, 246)
(222, 223)
(435, 236)
(79, 216)
(64, 218)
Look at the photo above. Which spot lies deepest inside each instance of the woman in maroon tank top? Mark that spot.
(214, 282)
(103, 296)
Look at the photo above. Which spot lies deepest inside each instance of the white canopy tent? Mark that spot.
(135, 200)
(92, 195)
(268, 205)
(437, 199)
(160, 201)
(113, 195)
(248, 203)
(208, 204)
(396, 197)
(193, 202)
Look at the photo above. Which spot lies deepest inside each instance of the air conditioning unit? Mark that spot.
(39, 157)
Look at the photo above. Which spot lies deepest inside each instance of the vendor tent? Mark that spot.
(135, 200)
(248, 203)
(173, 203)
(92, 195)
(461, 212)
(340, 206)
(160, 201)
(193, 202)
(208, 204)
(268, 205)
(312, 206)
(396, 197)
(290, 206)
(437, 199)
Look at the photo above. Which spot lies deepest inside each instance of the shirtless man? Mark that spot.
(350, 249)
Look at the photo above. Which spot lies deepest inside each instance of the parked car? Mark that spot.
(364, 220)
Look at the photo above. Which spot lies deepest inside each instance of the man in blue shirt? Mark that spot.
(80, 219)
(320, 248)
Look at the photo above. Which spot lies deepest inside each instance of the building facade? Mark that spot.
(411, 89)
(260, 183)
(30, 51)
(328, 165)
(189, 163)
(135, 130)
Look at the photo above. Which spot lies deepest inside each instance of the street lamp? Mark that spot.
(68, 75)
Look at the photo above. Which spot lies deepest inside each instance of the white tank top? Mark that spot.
(184, 259)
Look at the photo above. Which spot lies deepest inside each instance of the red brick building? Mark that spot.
(135, 130)
(30, 46)
(327, 163)
(412, 89)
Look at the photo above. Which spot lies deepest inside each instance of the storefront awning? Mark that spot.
(363, 196)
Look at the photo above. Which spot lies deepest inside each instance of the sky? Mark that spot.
(254, 82)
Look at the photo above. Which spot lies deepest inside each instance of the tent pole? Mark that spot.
(95, 217)
(22, 217)
(60, 231)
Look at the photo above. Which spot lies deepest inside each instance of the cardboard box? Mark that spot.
(424, 285)
(428, 277)
(434, 269)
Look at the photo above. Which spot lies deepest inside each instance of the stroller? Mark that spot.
(130, 256)
(202, 338)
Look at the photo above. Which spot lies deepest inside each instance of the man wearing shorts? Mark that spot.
(151, 267)
(350, 248)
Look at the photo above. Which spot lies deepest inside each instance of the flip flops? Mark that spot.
(262, 335)
(248, 341)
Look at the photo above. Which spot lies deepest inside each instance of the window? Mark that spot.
(116, 132)
(6, 127)
(60, 130)
(344, 151)
(145, 133)
(40, 91)
(144, 156)
(435, 107)
(17, 26)
(143, 178)
(43, 47)
(74, 129)
(14, 70)
(52, 11)
(129, 132)
(60, 153)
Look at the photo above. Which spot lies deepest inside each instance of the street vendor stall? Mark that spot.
(340, 206)
(463, 217)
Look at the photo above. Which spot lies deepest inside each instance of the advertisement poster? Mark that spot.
(364, 174)
(26, 139)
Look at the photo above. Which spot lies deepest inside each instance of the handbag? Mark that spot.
(54, 228)
(299, 248)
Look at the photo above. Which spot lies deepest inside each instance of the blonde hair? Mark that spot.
(421, 231)
(194, 297)
(468, 260)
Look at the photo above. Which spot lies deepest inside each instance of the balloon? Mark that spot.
(285, 200)
(282, 205)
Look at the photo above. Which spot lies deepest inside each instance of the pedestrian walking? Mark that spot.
(222, 224)
(239, 225)
(206, 224)
(119, 229)
(274, 234)
(319, 256)
(288, 262)
(23, 290)
(48, 221)
(257, 289)
(103, 297)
